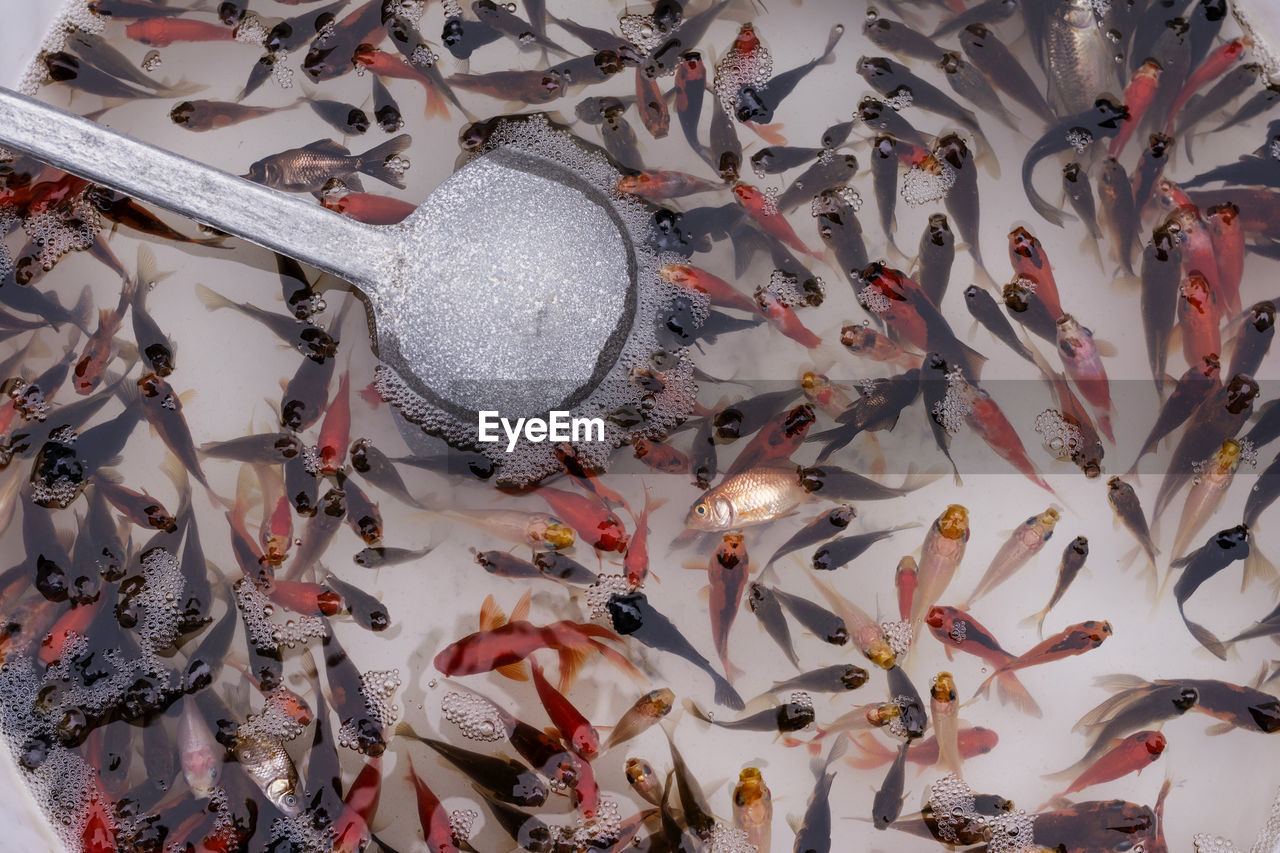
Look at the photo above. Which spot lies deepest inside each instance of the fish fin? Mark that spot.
(491, 615)
(1258, 568)
(618, 660)
(1011, 690)
(598, 631)
(1204, 637)
(1105, 349)
(1218, 729)
(1036, 619)
(82, 311)
(212, 301)
(515, 671)
(872, 753)
(374, 161)
(520, 612)
(327, 146)
(693, 709)
(571, 660)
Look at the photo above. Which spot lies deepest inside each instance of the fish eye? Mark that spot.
(700, 509)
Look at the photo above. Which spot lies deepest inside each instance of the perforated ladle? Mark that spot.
(512, 288)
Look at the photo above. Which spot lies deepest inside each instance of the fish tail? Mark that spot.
(837, 33)
(1011, 691)
(82, 311)
(211, 300)
(1258, 567)
(725, 694)
(374, 161)
(872, 753)
(1036, 619)
(619, 660)
(1205, 638)
(437, 106)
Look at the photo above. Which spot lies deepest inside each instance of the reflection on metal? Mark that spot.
(518, 286)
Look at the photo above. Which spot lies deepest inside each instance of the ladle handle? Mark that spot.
(291, 225)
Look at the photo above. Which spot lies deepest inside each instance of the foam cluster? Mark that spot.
(597, 595)
(76, 15)
(897, 635)
(265, 633)
(62, 230)
(1060, 437)
(274, 721)
(740, 68)
(460, 823)
(300, 832)
(956, 405)
(475, 717)
(376, 688)
(928, 181)
(642, 32)
(160, 600)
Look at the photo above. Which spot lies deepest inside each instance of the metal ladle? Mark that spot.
(515, 286)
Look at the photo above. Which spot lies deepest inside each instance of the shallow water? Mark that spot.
(230, 371)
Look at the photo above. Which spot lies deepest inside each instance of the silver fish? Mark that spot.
(271, 769)
(1079, 61)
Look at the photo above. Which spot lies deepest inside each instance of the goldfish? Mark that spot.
(868, 637)
(944, 707)
(753, 807)
(943, 549)
(100, 348)
(351, 831)
(436, 826)
(1207, 493)
(647, 710)
(1217, 554)
(972, 742)
(1214, 65)
(756, 496)
(200, 755)
(866, 341)
(887, 805)
(1073, 640)
(908, 311)
(576, 730)
(660, 456)
(1080, 353)
(632, 615)
(822, 527)
(310, 168)
(777, 311)
(594, 522)
(658, 185)
(1138, 96)
(271, 769)
(769, 218)
(508, 780)
(813, 835)
(728, 571)
(1131, 755)
(1198, 318)
(957, 629)
(370, 208)
(906, 580)
(1253, 341)
(1073, 558)
(719, 291)
(1024, 544)
(643, 780)
(514, 641)
(535, 529)
(791, 716)
(162, 408)
(163, 31)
